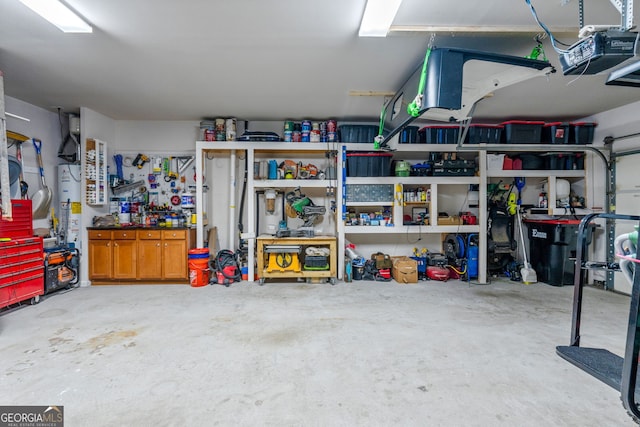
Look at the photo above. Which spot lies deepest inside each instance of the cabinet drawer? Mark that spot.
(174, 234)
(124, 235)
(99, 234)
(149, 234)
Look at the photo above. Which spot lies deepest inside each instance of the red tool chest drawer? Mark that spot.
(22, 223)
(21, 270)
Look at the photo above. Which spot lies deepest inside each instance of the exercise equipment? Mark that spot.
(619, 373)
(626, 249)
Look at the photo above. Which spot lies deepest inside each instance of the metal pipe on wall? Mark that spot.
(4, 158)
(232, 200)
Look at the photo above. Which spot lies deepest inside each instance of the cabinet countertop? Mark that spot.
(140, 227)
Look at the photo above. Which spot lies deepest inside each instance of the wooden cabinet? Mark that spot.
(149, 254)
(100, 255)
(124, 254)
(174, 250)
(139, 256)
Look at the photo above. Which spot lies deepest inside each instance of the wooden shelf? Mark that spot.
(410, 229)
(385, 203)
(292, 183)
(414, 180)
(491, 173)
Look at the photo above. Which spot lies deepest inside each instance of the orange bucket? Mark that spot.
(199, 267)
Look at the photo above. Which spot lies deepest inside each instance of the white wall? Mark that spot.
(97, 126)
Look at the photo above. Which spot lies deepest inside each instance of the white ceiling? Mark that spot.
(276, 59)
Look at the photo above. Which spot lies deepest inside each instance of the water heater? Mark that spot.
(69, 204)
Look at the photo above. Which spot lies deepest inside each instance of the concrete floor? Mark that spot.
(294, 354)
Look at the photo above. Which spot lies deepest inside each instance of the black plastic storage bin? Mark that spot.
(522, 132)
(555, 162)
(564, 161)
(531, 161)
(358, 133)
(555, 133)
(409, 135)
(481, 133)
(581, 133)
(553, 249)
(578, 161)
(361, 163)
(439, 134)
(316, 262)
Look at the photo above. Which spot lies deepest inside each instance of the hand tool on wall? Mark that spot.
(170, 175)
(140, 160)
(183, 163)
(42, 198)
(118, 161)
(157, 165)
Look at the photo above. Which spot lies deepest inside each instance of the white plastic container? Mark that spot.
(495, 161)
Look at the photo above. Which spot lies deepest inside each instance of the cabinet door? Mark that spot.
(124, 259)
(149, 259)
(149, 254)
(100, 259)
(174, 259)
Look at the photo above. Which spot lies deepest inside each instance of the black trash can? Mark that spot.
(552, 249)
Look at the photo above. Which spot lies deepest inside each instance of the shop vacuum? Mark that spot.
(225, 268)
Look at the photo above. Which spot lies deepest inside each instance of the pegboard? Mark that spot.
(160, 174)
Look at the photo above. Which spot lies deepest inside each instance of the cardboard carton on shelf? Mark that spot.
(450, 220)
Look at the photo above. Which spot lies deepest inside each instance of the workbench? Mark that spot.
(268, 242)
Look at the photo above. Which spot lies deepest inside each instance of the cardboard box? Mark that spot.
(405, 270)
(450, 220)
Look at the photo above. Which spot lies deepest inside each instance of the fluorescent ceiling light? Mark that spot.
(377, 18)
(59, 15)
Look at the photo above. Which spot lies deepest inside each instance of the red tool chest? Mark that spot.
(21, 257)
(21, 270)
(22, 223)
